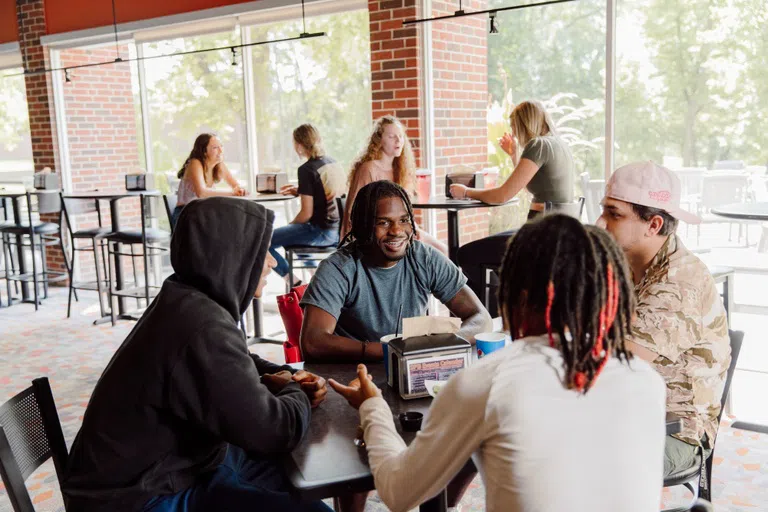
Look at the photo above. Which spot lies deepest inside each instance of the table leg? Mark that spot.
(20, 251)
(437, 504)
(257, 329)
(114, 212)
(453, 236)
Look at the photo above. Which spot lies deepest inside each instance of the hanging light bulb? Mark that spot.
(234, 56)
(66, 76)
(492, 18)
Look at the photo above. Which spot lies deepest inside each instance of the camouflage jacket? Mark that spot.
(681, 318)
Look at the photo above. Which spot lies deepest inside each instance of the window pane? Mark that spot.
(15, 141)
(554, 54)
(193, 94)
(323, 81)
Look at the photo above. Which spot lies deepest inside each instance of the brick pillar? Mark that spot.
(30, 17)
(459, 61)
(459, 64)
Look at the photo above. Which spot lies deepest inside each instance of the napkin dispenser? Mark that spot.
(469, 179)
(419, 358)
(270, 182)
(46, 181)
(139, 181)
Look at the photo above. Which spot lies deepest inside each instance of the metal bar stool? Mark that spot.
(96, 235)
(153, 242)
(36, 235)
(6, 220)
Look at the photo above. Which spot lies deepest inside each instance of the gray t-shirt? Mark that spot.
(365, 300)
(554, 179)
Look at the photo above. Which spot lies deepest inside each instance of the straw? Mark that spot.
(399, 318)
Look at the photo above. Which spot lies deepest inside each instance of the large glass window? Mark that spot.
(323, 81)
(192, 94)
(15, 141)
(556, 55)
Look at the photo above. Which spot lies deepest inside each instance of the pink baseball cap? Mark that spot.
(649, 184)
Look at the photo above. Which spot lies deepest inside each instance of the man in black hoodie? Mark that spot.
(182, 401)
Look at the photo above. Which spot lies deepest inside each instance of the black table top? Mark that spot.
(18, 193)
(743, 211)
(267, 198)
(446, 203)
(328, 463)
(118, 194)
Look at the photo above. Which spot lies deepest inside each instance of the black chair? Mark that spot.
(97, 236)
(30, 434)
(309, 255)
(6, 220)
(703, 472)
(152, 241)
(574, 209)
(170, 200)
(36, 235)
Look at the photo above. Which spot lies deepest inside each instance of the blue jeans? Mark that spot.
(299, 234)
(238, 484)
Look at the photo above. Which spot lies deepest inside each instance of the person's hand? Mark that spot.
(275, 382)
(289, 190)
(508, 144)
(359, 390)
(240, 192)
(313, 385)
(459, 191)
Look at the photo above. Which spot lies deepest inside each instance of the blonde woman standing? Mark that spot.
(387, 156)
(321, 180)
(543, 165)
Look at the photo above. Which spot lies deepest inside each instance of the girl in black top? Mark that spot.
(321, 180)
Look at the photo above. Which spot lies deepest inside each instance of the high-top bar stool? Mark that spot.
(6, 220)
(97, 236)
(36, 235)
(152, 242)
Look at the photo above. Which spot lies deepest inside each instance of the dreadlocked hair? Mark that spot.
(363, 217)
(578, 278)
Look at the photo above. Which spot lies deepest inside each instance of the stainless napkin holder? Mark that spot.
(270, 182)
(139, 182)
(468, 179)
(413, 360)
(46, 181)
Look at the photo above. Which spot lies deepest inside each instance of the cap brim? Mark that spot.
(685, 216)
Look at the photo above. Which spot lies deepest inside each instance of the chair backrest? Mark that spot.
(170, 201)
(593, 191)
(78, 207)
(736, 337)
(341, 205)
(573, 209)
(724, 165)
(721, 189)
(30, 434)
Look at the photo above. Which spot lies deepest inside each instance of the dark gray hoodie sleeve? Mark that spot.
(215, 384)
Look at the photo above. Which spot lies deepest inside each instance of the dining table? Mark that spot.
(329, 463)
(743, 211)
(256, 306)
(452, 208)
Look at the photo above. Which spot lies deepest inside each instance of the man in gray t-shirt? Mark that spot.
(355, 296)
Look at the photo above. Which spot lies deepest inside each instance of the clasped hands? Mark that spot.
(313, 385)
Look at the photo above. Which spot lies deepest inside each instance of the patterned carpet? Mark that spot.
(73, 353)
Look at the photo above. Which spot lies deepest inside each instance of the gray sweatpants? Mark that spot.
(679, 455)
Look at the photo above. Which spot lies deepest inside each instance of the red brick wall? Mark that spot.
(102, 132)
(30, 17)
(459, 64)
(459, 57)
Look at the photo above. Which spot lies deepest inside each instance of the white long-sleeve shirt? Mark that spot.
(539, 446)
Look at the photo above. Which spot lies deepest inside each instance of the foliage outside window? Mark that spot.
(15, 141)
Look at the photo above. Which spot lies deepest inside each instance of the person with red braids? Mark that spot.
(561, 419)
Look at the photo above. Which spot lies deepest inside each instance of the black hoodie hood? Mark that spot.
(219, 246)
